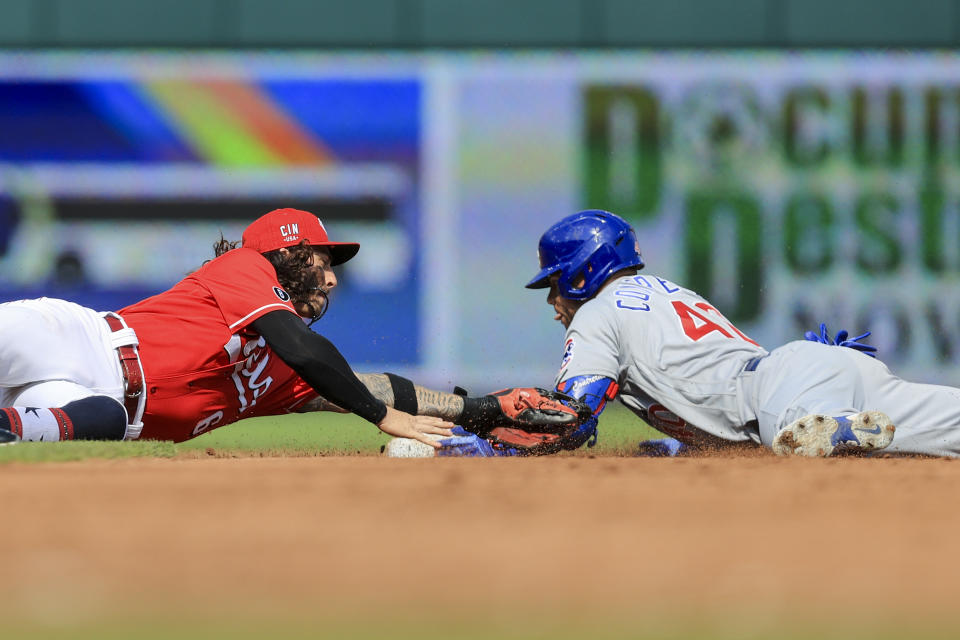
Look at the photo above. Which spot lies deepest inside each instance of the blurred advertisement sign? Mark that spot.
(788, 188)
(118, 173)
(808, 188)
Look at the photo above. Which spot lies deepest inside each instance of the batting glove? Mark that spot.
(663, 448)
(842, 340)
(467, 445)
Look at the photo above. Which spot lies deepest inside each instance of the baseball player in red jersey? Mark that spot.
(229, 341)
(227, 370)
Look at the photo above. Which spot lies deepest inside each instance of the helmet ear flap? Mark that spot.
(579, 278)
(573, 285)
(586, 273)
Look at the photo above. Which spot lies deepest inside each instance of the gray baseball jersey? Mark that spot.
(683, 367)
(675, 357)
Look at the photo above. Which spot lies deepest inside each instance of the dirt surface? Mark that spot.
(747, 536)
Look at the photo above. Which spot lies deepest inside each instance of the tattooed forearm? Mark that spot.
(448, 406)
(379, 386)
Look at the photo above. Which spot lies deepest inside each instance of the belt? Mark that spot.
(132, 373)
(753, 362)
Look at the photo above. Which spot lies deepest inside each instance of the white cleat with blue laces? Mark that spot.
(818, 436)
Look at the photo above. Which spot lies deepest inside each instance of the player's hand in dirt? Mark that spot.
(403, 425)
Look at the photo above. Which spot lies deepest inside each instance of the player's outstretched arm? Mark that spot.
(518, 407)
(429, 402)
(319, 362)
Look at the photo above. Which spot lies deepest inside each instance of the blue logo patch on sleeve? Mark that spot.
(567, 353)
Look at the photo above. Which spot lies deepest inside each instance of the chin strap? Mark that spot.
(323, 308)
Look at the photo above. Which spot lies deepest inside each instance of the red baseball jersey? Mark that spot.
(204, 366)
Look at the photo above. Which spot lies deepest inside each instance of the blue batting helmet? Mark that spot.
(592, 245)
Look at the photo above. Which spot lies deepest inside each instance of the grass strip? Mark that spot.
(316, 434)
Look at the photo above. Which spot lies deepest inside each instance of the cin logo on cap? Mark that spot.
(289, 231)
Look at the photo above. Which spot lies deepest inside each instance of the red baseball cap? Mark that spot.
(288, 227)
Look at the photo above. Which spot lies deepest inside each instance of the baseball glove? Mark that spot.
(532, 421)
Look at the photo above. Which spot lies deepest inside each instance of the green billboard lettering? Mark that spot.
(932, 239)
(622, 171)
(703, 250)
(941, 334)
(807, 233)
(878, 249)
(932, 103)
(941, 115)
(878, 127)
(801, 106)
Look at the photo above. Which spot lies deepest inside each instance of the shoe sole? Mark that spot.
(819, 436)
(8, 438)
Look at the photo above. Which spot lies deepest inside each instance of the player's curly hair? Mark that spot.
(291, 267)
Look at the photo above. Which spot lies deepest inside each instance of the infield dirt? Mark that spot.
(742, 542)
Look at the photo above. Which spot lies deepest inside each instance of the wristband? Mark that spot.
(404, 394)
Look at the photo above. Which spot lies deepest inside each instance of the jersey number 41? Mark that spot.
(705, 319)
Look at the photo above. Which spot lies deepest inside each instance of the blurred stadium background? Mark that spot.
(793, 160)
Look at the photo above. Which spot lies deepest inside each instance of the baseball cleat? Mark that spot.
(818, 436)
(8, 437)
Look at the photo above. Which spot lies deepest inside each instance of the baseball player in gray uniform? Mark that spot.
(679, 364)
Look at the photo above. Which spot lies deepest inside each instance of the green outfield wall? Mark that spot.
(376, 24)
